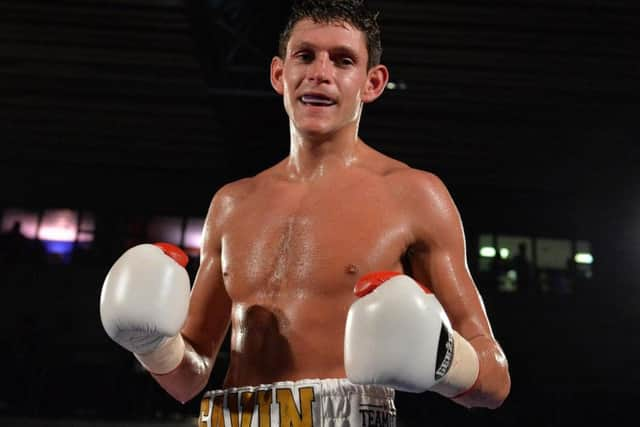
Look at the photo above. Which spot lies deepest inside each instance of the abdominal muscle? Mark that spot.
(287, 338)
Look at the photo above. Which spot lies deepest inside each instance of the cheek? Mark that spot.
(291, 78)
(288, 102)
(355, 87)
(354, 96)
(288, 90)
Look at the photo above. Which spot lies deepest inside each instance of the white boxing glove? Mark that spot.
(144, 303)
(397, 334)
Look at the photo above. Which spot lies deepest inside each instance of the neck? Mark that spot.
(314, 156)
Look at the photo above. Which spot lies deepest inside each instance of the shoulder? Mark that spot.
(420, 186)
(397, 172)
(221, 209)
(230, 196)
(427, 203)
(226, 199)
(380, 164)
(234, 191)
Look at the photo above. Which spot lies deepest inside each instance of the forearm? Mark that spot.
(494, 382)
(189, 377)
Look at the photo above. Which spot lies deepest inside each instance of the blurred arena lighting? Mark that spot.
(59, 225)
(193, 235)
(58, 232)
(165, 229)
(399, 85)
(27, 220)
(490, 252)
(185, 232)
(487, 252)
(583, 258)
(58, 247)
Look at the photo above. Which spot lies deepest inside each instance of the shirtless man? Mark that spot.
(282, 251)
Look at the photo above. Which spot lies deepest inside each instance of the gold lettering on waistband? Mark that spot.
(289, 415)
(264, 408)
(248, 402)
(211, 417)
(205, 407)
(232, 405)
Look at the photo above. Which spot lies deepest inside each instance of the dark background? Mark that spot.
(527, 109)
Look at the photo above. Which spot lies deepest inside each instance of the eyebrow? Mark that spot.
(340, 49)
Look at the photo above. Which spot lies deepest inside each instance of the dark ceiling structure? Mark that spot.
(156, 103)
(487, 85)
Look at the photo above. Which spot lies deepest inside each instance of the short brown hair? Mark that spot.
(353, 12)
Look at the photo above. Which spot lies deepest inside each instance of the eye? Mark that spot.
(304, 56)
(345, 61)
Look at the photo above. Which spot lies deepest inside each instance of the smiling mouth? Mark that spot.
(317, 100)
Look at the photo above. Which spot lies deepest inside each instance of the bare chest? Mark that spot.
(311, 245)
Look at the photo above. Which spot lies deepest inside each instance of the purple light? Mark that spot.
(58, 247)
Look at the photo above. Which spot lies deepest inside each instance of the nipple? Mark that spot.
(351, 269)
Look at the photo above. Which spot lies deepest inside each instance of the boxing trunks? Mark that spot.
(304, 403)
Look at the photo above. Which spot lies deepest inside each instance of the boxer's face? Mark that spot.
(324, 78)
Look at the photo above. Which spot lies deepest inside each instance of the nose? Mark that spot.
(319, 70)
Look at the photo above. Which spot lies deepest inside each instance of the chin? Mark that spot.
(316, 135)
(315, 131)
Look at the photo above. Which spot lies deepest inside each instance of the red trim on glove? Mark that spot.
(174, 252)
(369, 282)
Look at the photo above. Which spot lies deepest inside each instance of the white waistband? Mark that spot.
(327, 386)
(310, 402)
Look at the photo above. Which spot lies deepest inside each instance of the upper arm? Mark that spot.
(438, 256)
(439, 261)
(210, 306)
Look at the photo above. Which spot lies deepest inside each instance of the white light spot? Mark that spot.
(583, 258)
(487, 252)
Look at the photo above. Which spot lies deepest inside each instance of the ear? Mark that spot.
(377, 79)
(277, 70)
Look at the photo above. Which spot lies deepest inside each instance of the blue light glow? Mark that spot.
(57, 247)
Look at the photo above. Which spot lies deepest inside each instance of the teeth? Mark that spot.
(316, 100)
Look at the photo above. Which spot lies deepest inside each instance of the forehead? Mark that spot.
(327, 34)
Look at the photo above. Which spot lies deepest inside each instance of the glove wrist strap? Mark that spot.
(165, 358)
(464, 369)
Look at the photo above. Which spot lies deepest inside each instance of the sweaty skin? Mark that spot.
(283, 250)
